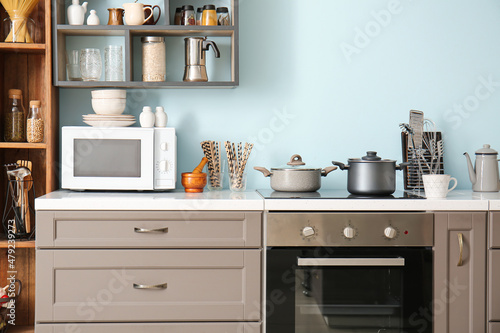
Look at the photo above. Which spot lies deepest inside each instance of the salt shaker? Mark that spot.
(93, 19)
(147, 117)
(160, 117)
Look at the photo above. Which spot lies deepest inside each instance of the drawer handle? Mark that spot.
(154, 286)
(461, 246)
(151, 231)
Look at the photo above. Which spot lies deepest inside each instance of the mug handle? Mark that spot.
(159, 12)
(455, 185)
(150, 14)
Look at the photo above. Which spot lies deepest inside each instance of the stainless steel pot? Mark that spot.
(371, 175)
(295, 177)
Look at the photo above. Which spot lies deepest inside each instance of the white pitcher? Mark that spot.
(76, 13)
(134, 13)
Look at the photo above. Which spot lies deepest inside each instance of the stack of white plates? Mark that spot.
(99, 120)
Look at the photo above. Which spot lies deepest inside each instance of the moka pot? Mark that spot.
(195, 48)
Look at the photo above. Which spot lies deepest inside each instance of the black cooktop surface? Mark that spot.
(335, 194)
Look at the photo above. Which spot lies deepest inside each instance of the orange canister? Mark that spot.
(209, 16)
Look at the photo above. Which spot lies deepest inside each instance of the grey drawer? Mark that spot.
(494, 230)
(122, 229)
(98, 285)
(151, 328)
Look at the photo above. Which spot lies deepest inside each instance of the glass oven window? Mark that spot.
(107, 158)
(348, 299)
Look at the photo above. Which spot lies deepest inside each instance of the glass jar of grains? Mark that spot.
(34, 124)
(15, 118)
(154, 67)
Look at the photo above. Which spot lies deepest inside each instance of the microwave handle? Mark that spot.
(351, 262)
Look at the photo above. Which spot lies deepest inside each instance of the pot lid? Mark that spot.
(371, 156)
(296, 163)
(486, 150)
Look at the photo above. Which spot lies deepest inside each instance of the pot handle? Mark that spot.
(266, 172)
(327, 170)
(341, 165)
(403, 165)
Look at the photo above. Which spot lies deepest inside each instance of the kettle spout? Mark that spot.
(84, 6)
(472, 173)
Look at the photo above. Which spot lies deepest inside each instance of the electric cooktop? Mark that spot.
(336, 194)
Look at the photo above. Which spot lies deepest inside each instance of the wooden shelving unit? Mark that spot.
(28, 67)
(63, 31)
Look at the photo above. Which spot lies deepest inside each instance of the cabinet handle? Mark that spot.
(154, 286)
(461, 246)
(151, 231)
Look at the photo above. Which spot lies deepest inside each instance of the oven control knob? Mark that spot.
(390, 232)
(349, 232)
(308, 232)
(164, 146)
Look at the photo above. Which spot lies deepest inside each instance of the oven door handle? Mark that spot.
(351, 261)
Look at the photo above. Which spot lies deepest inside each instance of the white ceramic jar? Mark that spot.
(147, 117)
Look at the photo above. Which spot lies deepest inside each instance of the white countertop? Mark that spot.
(175, 200)
(463, 200)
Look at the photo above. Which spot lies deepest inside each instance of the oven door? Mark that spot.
(97, 158)
(316, 290)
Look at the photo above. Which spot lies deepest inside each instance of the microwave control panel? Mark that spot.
(165, 158)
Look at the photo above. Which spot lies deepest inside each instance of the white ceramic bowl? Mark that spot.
(109, 93)
(109, 105)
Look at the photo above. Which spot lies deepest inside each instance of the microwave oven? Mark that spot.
(118, 158)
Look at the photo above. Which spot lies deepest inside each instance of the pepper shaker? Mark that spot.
(147, 117)
(160, 117)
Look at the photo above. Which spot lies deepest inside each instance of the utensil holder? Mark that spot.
(412, 175)
(17, 213)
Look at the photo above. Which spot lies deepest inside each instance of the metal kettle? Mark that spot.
(484, 175)
(195, 48)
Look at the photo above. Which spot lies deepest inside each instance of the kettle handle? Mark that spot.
(207, 43)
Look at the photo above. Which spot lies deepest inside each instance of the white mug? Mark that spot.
(437, 186)
(134, 13)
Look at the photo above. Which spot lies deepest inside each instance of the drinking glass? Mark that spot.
(90, 64)
(73, 65)
(113, 63)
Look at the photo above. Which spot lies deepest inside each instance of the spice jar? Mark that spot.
(223, 16)
(199, 13)
(188, 15)
(14, 118)
(154, 67)
(178, 16)
(34, 124)
(209, 16)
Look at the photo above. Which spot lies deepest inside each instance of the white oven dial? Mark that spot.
(164, 146)
(349, 232)
(390, 232)
(308, 232)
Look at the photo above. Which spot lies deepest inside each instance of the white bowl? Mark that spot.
(109, 93)
(109, 105)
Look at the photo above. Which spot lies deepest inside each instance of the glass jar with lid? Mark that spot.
(15, 118)
(209, 16)
(223, 16)
(154, 68)
(188, 17)
(34, 124)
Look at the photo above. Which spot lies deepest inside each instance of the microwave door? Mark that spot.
(112, 159)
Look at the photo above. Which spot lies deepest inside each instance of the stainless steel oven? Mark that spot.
(349, 272)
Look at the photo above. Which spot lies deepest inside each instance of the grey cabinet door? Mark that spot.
(148, 285)
(459, 285)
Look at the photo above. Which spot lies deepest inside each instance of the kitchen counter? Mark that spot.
(175, 201)
(462, 200)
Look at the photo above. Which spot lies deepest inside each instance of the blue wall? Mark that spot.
(332, 79)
